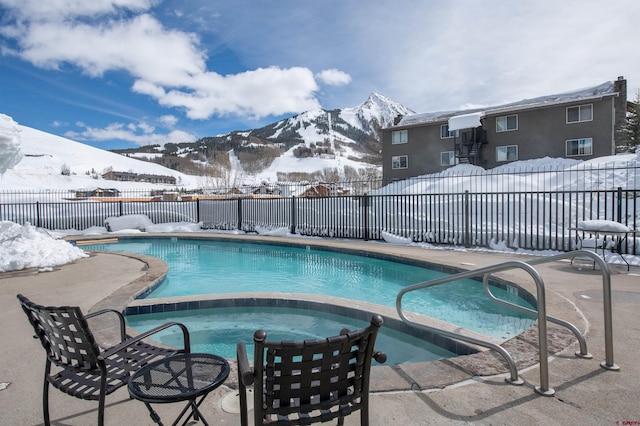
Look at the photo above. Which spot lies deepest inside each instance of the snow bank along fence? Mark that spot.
(531, 220)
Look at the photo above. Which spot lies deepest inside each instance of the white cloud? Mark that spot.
(257, 93)
(168, 120)
(334, 77)
(61, 9)
(429, 56)
(140, 134)
(167, 65)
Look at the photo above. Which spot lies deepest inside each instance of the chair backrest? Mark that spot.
(64, 334)
(314, 380)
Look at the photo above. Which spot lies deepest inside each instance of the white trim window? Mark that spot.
(507, 153)
(448, 158)
(580, 113)
(399, 162)
(507, 123)
(445, 133)
(578, 147)
(399, 136)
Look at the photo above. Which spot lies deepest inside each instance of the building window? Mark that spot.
(445, 133)
(507, 153)
(399, 136)
(507, 123)
(580, 113)
(576, 147)
(399, 162)
(448, 158)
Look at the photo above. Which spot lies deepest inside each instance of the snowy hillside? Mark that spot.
(343, 132)
(45, 155)
(346, 137)
(349, 125)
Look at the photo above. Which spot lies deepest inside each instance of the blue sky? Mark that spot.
(121, 73)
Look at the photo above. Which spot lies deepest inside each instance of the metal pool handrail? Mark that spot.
(608, 363)
(544, 388)
(582, 353)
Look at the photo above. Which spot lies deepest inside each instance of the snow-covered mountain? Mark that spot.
(354, 130)
(343, 141)
(333, 139)
(349, 125)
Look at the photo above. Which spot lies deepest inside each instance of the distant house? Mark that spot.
(135, 177)
(120, 176)
(324, 190)
(582, 124)
(266, 189)
(97, 192)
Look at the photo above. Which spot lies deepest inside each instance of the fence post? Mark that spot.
(619, 217)
(293, 215)
(466, 219)
(38, 214)
(197, 210)
(120, 207)
(365, 216)
(619, 204)
(239, 226)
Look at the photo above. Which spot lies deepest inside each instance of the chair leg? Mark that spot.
(242, 393)
(45, 402)
(101, 403)
(45, 393)
(101, 411)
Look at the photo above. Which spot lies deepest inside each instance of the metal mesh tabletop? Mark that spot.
(179, 378)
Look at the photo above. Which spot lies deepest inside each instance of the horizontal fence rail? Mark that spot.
(535, 220)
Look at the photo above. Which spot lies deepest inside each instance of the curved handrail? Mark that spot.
(608, 363)
(582, 353)
(544, 388)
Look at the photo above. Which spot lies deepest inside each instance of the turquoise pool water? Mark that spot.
(214, 267)
(218, 330)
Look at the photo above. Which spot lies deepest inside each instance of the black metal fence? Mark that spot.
(530, 220)
(535, 209)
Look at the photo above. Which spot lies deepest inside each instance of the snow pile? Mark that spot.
(133, 221)
(142, 223)
(602, 226)
(10, 153)
(394, 239)
(24, 247)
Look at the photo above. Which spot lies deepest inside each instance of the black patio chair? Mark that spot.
(84, 369)
(299, 383)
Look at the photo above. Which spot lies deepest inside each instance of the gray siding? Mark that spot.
(542, 132)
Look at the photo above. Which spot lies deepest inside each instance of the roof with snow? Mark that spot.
(464, 117)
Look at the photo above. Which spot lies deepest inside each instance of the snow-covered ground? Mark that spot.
(44, 154)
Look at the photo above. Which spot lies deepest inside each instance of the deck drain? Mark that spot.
(231, 402)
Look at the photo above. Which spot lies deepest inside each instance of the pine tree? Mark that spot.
(631, 130)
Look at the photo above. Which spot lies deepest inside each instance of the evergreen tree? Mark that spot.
(631, 130)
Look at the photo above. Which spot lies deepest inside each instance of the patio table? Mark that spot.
(183, 377)
(604, 228)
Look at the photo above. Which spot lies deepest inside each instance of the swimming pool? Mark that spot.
(217, 331)
(200, 266)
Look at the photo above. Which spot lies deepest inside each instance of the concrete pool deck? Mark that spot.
(463, 390)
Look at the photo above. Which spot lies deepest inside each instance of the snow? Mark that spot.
(27, 247)
(46, 154)
(602, 226)
(135, 221)
(394, 239)
(604, 89)
(10, 153)
(465, 121)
